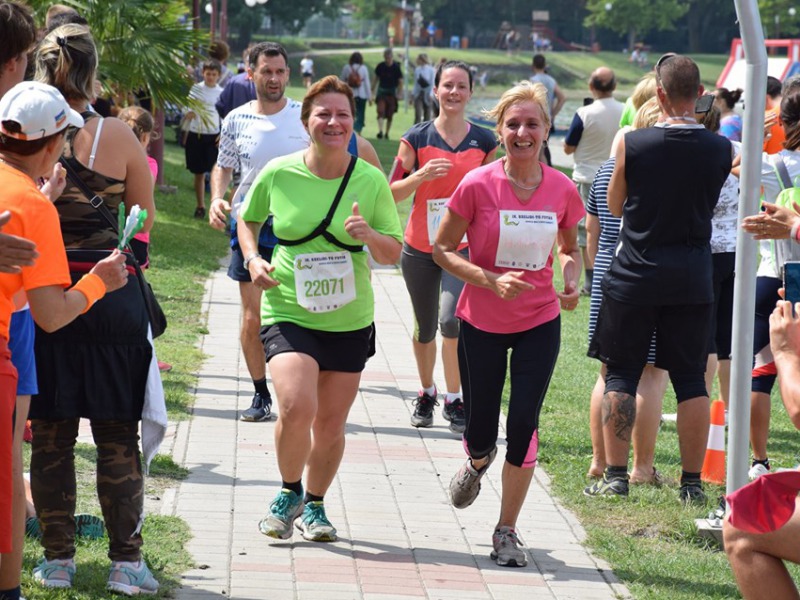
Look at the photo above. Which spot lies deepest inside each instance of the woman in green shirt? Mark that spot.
(317, 309)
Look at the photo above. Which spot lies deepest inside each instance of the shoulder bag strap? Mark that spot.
(783, 172)
(322, 228)
(94, 199)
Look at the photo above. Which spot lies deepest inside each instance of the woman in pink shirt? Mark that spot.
(512, 211)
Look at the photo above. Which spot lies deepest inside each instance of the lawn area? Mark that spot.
(571, 69)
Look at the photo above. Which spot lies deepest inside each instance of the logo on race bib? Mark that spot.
(526, 239)
(301, 267)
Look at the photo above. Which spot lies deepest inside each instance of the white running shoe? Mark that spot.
(756, 471)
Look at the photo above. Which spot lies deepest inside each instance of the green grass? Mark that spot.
(571, 69)
(184, 251)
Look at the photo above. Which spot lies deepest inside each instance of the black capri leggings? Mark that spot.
(483, 360)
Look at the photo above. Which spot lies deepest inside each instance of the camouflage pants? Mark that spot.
(120, 486)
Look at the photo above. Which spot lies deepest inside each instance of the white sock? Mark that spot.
(431, 391)
(451, 397)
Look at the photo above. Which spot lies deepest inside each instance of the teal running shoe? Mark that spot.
(131, 578)
(283, 511)
(56, 573)
(315, 524)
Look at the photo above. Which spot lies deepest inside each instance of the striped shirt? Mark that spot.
(597, 205)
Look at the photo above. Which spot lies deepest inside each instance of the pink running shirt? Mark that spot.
(480, 198)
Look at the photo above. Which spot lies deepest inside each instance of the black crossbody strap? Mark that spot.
(95, 200)
(322, 228)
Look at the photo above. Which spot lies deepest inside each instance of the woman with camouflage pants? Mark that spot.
(97, 368)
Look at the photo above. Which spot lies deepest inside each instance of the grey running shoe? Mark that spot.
(692, 493)
(507, 551)
(423, 410)
(466, 483)
(610, 488)
(260, 409)
(454, 412)
(286, 507)
(315, 525)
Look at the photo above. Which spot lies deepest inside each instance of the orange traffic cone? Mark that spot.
(714, 463)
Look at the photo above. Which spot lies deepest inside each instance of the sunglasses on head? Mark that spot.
(661, 62)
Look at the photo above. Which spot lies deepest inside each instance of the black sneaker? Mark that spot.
(380, 135)
(610, 488)
(692, 493)
(454, 412)
(423, 410)
(260, 409)
(199, 212)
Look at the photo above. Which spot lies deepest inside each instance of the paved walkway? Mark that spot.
(399, 536)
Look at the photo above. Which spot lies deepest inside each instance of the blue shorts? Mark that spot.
(20, 341)
(236, 270)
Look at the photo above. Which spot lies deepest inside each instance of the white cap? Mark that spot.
(40, 110)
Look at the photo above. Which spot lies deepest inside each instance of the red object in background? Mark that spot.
(765, 504)
(27, 434)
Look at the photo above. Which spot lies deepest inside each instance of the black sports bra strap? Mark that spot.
(322, 228)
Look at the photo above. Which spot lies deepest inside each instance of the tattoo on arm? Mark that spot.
(619, 409)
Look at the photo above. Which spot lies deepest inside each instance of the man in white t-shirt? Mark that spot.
(589, 138)
(251, 136)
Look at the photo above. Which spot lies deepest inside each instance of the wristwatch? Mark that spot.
(249, 258)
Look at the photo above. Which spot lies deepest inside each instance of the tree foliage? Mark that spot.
(142, 44)
(292, 14)
(777, 17)
(374, 9)
(635, 17)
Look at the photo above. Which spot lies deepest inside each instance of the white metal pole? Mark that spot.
(755, 54)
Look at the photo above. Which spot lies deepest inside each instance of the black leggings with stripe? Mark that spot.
(483, 360)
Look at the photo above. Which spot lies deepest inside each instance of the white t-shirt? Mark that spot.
(600, 122)
(306, 66)
(207, 119)
(770, 182)
(725, 221)
(249, 141)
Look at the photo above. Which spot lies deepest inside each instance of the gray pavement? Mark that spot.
(399, 536)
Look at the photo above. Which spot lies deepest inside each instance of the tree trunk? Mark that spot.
(631, 39)
(694, 23)
(157, 144)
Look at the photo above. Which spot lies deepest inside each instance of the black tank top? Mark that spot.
(82, 225)
(674, 177)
